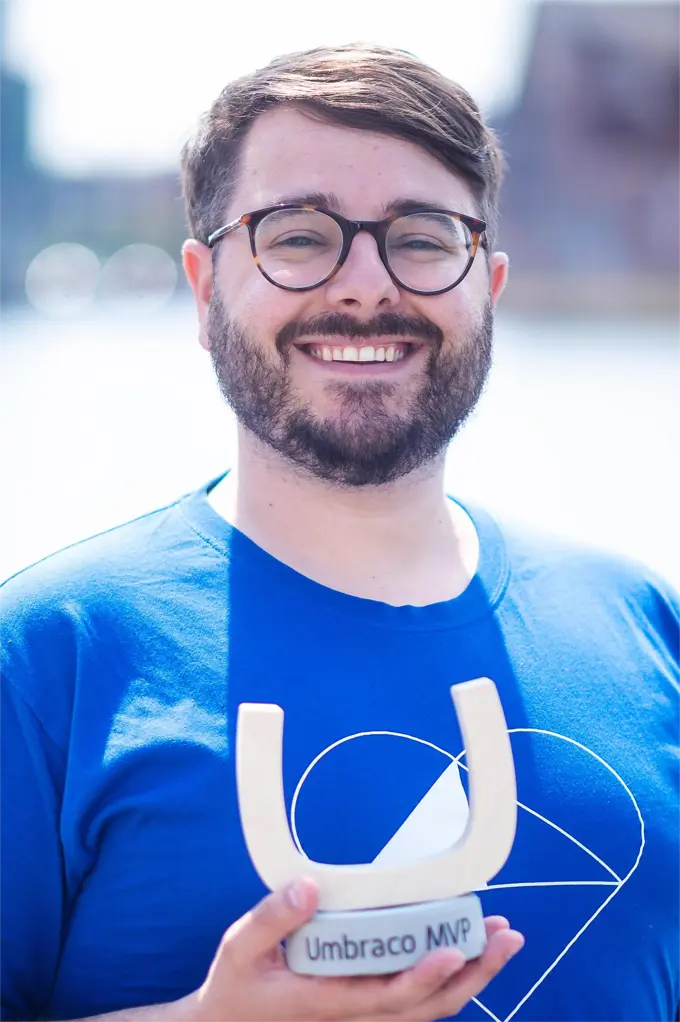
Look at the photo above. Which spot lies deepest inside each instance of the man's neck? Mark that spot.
(401, 543)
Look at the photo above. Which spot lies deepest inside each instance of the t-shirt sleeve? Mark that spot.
(31, 859)
(661, 610)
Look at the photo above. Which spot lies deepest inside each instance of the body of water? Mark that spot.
(110, 415)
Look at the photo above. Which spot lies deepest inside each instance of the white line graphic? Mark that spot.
(341, 741)
(616, 884)
(572, 741)
(555, 883)
(570, 837)
(484, 1008)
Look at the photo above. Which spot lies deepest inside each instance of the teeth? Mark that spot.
(350, 353)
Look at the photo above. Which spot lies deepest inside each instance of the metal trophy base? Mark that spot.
(383, 940)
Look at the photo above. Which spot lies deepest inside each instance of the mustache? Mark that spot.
(338, 324)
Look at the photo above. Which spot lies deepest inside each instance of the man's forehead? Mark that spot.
(291, 157)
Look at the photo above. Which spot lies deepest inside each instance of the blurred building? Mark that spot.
(589, 208)
(22, 188)
(590, 212)
(38, 209)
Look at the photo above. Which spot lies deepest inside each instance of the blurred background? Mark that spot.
(108, 407)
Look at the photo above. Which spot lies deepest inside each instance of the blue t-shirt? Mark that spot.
(125, 658)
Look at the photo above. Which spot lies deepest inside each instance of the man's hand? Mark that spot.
(249, 980)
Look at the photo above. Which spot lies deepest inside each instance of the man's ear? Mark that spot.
(197, 263)
(498, 274)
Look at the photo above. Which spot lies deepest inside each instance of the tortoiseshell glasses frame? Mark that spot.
(350, 228)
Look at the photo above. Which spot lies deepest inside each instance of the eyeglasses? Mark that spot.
(298, 248)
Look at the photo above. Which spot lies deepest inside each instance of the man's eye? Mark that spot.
(296, 241)
(421, 243)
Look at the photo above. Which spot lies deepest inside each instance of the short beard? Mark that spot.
(366, 443)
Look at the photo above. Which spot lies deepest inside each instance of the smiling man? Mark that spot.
(374, 358)
(343, 208)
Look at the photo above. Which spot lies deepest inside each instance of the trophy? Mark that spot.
(375, 919)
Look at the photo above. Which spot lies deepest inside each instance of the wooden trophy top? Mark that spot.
(467, 866)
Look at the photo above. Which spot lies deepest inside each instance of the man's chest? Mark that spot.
(374, 770)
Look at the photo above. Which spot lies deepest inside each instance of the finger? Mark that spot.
(275, 959)
(477, 974)
(495, 923)
(259, 932)
(382, 996)
(363, 997)
(430, 974)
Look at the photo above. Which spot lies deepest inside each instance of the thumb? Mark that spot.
(260, 931)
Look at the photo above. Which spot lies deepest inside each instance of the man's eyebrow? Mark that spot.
(330, 201)
(326, 199)
(400, 207)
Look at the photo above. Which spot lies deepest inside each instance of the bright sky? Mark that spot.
(120, 84)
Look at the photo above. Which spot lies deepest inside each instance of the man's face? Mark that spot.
(352, 423)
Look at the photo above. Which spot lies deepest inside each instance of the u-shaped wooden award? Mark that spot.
(467, 866)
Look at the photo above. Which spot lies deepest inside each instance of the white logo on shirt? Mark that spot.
(439, 819)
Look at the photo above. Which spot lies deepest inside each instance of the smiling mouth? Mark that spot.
(363, 354)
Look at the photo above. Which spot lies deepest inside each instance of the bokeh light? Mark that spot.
(140, 276)
(62, 279)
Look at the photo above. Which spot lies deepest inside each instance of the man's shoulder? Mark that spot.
(574, 569)
(93, 592)
(103, 554)
(68, 579)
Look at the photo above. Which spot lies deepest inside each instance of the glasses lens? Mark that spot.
(428, 251)
(298, 247)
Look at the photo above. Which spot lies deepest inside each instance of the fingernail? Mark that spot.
(296, 894)
(520, 944)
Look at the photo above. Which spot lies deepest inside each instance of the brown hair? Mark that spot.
(356, 86)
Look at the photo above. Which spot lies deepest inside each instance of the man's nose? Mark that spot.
(363, 282)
